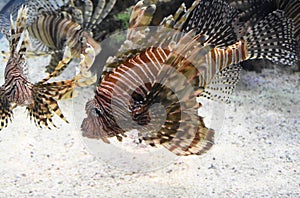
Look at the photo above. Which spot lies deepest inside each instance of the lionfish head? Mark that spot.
(97, 125)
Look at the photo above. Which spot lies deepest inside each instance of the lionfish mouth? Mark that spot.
(92, 130)
(91, 126)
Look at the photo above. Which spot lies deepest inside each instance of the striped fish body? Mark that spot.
(123, 101)
(17, 87)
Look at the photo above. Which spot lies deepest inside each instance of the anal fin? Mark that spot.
(223, 84)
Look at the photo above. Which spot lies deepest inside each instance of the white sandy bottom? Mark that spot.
(256, 153)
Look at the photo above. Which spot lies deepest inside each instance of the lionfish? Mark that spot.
(155, 90)
(40, 99)
(57, 24)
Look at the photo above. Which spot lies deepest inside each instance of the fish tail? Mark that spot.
(272, 38)
(292, 10)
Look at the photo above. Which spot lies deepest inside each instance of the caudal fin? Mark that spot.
(272, 38)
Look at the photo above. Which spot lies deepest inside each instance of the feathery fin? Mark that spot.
(272, 38)
(223, 84)
(214, 18)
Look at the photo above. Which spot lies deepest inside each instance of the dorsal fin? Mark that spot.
(16, 29)
(97, 12)
(214, 18)
(37, 7)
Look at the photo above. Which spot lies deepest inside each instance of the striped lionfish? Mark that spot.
(155, 90)
(71, 23)
(40, 99)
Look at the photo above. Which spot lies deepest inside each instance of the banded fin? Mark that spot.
(244, 4)
(107, 9)
(272, 38)
(183, 131)
(292, 11)
(6, 108)
(66, 58)
(16, 29)
(178, 20)
(45, 104)
(85, 8)
(54, 61)
(213, 18)
(45, 97)
(251, 11)
(97, 12)
(89, 13)
(141, 15)
(257, 11)
(191, 142)
(223, 84)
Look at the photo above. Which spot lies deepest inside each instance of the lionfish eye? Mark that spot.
(98, 111)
